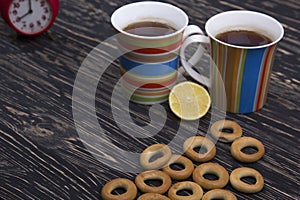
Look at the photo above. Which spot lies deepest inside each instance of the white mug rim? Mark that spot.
(275, 41)
(119, 29)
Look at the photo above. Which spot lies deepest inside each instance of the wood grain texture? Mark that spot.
(43, 157)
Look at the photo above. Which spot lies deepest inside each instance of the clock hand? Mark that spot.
(29, 11)
(30, 8)
(24, 15)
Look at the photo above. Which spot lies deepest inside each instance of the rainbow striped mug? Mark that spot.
(148, 65)
(241, 74)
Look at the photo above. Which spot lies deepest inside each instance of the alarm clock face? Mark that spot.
(30, 16)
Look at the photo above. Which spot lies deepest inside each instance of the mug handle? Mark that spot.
(191, 30)
(188, 64)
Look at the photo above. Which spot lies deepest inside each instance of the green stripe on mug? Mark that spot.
(241, 66)
(150, 61)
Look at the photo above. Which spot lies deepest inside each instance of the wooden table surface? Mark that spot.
(43, 154)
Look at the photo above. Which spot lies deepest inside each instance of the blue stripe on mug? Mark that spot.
(149, 69)
(252, 69)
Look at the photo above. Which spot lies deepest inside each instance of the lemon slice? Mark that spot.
(189, 101)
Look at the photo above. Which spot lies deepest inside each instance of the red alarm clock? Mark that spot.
(29, 17)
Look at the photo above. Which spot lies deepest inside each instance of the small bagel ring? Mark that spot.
(152, 150)
(179, 174)
(153, 175)
(216, 130)
(211, 168)
(242, 172)
(239, 144)
(153, 196)
(196, 189)
(219, 194)
(128, 185)
(199, 141)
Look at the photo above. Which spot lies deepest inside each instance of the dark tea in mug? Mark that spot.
(149, 28)
(244, 38)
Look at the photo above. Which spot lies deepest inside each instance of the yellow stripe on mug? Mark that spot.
(243, 63)
(151, 54)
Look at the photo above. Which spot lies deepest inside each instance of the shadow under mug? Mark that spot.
(242, 73)
(148, 65)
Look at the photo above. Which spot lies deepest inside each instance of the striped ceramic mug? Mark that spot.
(148, 64)
(242, 73)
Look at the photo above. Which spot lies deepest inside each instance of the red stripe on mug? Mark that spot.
(263, 78)
(149, 85)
